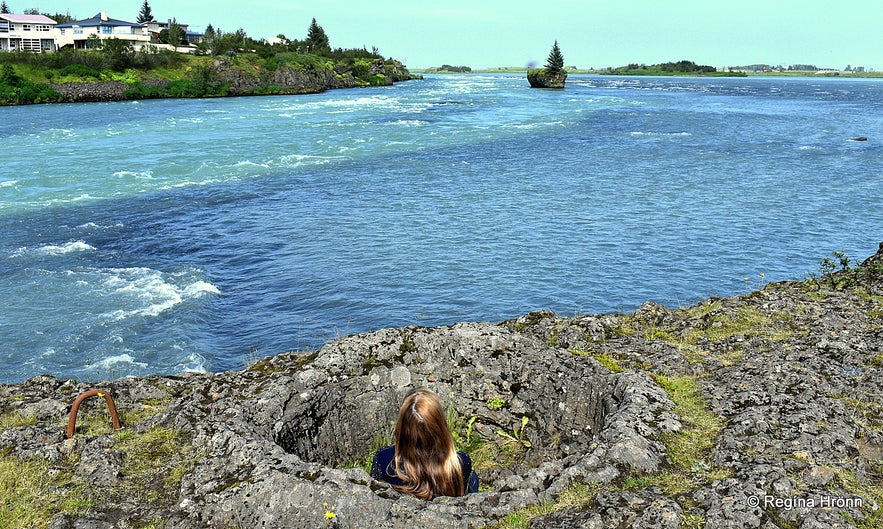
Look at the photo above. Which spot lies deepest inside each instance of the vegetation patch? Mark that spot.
(154, 464)
(16, 419)
(15, 89)
(671, 68)
(32, 491)
(714, 324)
(577, 496)
(838, 273)
(867, 414)
(606, 359)
(689, 449)
(873, 490)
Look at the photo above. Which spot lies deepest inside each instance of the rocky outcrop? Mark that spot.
(303, 81)
(580, 415)
(284, 79)
(91, 92)
(543, 78)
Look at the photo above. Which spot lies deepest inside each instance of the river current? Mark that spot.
(154, 237)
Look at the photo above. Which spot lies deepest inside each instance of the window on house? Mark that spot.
(4, 26)
(107, 30)
(25, 27)
(29, 44)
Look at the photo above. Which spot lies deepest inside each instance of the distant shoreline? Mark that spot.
(605, 72)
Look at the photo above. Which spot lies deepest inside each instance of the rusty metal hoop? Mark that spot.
(72, 422)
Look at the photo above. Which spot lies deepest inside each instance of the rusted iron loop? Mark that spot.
(72, 422)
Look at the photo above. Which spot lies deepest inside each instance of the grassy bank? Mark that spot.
(151, 73)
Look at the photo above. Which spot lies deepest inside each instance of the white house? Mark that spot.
(27, 32)
(77, 33)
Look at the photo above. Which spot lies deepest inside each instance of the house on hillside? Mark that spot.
(77, 33)
(27, 32)
(155, 27)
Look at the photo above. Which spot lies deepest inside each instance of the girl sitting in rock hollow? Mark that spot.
(424, 462)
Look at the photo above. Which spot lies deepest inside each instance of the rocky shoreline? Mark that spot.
(764, 410)
(284, 80)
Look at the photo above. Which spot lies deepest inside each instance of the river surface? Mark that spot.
(155, 237)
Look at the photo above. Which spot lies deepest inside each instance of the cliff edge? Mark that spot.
(756, 411)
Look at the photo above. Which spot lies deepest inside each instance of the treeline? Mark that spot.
(447, 68)
(217, 42)
(667, 68)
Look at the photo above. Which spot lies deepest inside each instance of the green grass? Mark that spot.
(713, 324)
(154, 463)
(605, 358)
(16, 419)
(32, 491)
(872, 519)
(576, 496)
(689, 449)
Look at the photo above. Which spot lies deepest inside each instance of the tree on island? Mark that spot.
(145, 15)
(317, 40)
(555, 62)
(553, 75)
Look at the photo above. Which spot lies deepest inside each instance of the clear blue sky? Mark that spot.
(591, 33)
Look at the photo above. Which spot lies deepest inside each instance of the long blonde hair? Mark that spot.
(425, 457)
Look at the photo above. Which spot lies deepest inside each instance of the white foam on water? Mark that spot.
(298, 160)
(200, 289)
(249, 163)
(8, 183)
(113, 361)
(95, 226)
(148, 293)
(194, 363)
(66, 133)
(141, 175)
(661, 134)
(409, 122)
(55, 249)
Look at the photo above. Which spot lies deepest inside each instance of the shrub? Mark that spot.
(80, 70)
(16, 90)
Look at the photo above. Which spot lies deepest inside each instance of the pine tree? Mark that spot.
(317, 40)
(555, 62)
(145, 15)
(4, 8)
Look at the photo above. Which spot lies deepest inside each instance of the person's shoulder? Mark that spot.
(382, 459)
(386, 453)
(464, 457)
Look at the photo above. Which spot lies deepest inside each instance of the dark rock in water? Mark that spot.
(566, 412)
(542, 78)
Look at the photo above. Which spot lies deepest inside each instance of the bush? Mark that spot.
(15, 90)
(80, 70)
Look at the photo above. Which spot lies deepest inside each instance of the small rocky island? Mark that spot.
(553, 75)
(755, 411)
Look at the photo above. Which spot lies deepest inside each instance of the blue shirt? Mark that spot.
(383, 468)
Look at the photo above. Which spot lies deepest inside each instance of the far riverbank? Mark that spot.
(606, 72)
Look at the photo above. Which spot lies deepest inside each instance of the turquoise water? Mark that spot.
(163, 236)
